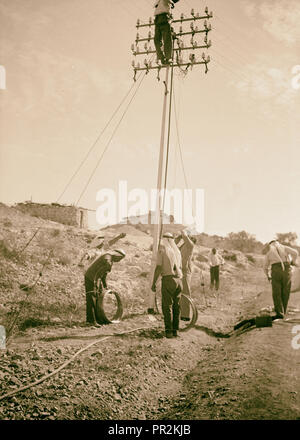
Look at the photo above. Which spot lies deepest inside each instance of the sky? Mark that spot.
(68, 69)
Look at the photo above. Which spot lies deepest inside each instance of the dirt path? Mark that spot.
(251, 376)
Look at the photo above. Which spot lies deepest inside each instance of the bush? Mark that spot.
(243, 241)
(7, 223)
(64, 259)
(250, 258)
(7, 252)
(231, 257)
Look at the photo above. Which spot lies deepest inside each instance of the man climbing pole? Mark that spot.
(163, 33)
(95, 283)
(186, 250)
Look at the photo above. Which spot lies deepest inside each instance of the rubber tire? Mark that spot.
(194, 319)
(100, 312)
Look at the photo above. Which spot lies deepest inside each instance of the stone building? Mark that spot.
(67, 215)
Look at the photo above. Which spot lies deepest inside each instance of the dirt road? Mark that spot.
(203, 374)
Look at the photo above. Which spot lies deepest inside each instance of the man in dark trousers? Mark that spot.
(215, 260)
(163, 34)
(279, 257)
(95, 282)
(168, 265)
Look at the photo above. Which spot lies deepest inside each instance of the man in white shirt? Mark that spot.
(162, 13)
(215, 260)
(279, 257)
(169, 267)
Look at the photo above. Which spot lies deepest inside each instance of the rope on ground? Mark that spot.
(65, 364)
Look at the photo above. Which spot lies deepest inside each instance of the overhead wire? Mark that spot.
(98, 138)
(180, 151)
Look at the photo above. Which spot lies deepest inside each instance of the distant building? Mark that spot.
(67, 215)
(147, 219)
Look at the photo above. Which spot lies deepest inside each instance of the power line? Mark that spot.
(95, 142)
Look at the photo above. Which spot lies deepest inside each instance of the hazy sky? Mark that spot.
(68, 66)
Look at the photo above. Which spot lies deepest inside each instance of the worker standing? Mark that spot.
(169, 266)
(279, 258)
(97, 246)
(95, 282)
(215, 260)
(186, 249)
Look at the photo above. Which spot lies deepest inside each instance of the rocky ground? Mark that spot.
(131, 371)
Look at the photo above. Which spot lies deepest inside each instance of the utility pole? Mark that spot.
(181, 59)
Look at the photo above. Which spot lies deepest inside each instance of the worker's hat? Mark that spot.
(168, 235)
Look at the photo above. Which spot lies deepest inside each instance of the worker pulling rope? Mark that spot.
(15, 318)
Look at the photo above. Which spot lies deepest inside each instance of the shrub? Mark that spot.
(64, 259)
(7, 223)
(231, 257)
(7, 252)
(250, 258)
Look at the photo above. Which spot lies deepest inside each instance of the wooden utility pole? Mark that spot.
(178, 61)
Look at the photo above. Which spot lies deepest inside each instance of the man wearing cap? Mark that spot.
(162, 13)
(169, 266)
(186, 249)
(95, 281)
(280, 258)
